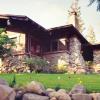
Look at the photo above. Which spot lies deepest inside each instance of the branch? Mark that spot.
(91, 2)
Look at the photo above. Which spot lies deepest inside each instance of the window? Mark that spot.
(62, 44)
(59, 44)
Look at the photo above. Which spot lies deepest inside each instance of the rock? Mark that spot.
(49, 90)
(60, 95)
(30, 96)
(7, 93)
(61, 91)
(3, 82)
(35, 87)
(81, 71)
(71, 70)
(81, 97)
(53, 94)
(78, 89)
(53, 98)
(64, 97)
(96, 68)
(95, 96)
(19, 95)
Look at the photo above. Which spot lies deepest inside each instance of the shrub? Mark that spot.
(13, 83)
(56, 69)
(36, 63)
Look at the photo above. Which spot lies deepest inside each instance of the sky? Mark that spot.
(52, 13)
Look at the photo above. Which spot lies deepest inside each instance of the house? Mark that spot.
(64, 43)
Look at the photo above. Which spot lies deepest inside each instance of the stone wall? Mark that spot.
(55, 57)
(73, 58)
(36, 91)
(96, 54)
(76, 58)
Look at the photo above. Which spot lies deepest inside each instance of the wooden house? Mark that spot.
(63, 43)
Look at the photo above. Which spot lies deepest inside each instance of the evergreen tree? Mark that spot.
(74, 16)
(5, 43)
(98, 4)
(90, 35)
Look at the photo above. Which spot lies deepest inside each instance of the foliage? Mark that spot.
(98, 4)
(36, 63)
(89, 66)
(58, 68)
(89, 63)
(90, 35)
(78, 20)
(5, 43)
(57, 87)
(13, 83)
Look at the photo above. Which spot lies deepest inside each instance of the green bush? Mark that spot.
(36, 63)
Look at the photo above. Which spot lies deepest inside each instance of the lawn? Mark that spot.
(66, 81)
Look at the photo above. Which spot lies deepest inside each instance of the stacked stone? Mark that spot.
(36, 91)
(96, 55)
(76, 58)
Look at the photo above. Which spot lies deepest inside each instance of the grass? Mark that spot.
(66, 81)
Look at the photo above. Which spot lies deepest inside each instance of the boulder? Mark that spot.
(35, 87)
(19, 95)
(7, 93)
(61, 91)
(95, 96)
(81, 97)
(31, 96)
(64, 97)
(53, 98)
(3, 82)
(77, 89)
(49, 90)
(53, 94)
(60, 95)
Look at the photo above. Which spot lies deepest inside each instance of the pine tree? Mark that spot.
(91, 35)
(74, 16)
(98, 4)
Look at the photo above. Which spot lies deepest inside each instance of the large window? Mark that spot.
(59, 44)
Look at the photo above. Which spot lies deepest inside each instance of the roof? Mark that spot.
(95, 47)
(68, 30)
(26, 24)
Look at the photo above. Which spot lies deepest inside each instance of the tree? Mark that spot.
(90, 35)
(98, 4)
(74, 16)
(5, 43)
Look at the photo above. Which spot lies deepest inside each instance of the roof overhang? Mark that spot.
(67, 30)
(26, 24)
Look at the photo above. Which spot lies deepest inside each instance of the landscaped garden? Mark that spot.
(66, 81)
(31, 77)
